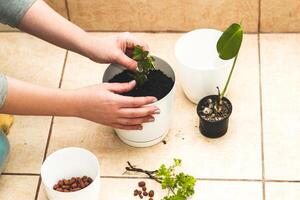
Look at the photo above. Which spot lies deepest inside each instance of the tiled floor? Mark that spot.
(257, 159)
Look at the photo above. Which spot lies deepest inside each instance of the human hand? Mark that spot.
(103, 104)
(112, 49)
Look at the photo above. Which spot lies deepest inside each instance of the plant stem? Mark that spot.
(148, 172)
(229, 77)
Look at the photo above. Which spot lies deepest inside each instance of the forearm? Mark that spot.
(42, 21)
(28, 99)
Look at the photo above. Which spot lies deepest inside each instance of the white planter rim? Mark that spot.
(184, 37)
(105, 78)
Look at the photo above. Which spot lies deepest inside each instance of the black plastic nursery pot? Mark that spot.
(213, 129)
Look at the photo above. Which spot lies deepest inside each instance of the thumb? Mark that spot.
(127, 62)
(121, 87)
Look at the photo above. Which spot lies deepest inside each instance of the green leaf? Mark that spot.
(230, 42)
(144, 64)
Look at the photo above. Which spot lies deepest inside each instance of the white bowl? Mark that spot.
(201, 69)
(153, 132)
(67, 163)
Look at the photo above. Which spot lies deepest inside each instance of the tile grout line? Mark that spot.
(68, 10)
(51, 125)
(19, 174)
(198, 179)
(162, 32)
(260, 100)
(261, 121)
(259, 17)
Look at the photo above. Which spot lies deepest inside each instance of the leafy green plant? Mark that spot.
(228, 47)
(180, 186)
(144, 64)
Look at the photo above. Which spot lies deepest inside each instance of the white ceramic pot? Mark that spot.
(67, 163)
(153, 132)
(201, 69)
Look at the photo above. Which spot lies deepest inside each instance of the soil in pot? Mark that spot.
(214, 117)
(158, 84)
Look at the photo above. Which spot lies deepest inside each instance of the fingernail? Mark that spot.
(151, 120)
(140, 128)
(133, 81)
(154, 100)
(157, 111)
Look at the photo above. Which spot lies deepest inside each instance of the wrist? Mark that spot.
(70, 103)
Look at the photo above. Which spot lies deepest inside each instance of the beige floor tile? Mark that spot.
(237, 155)
(282, 191)
(204, 190)
(6, 28)
(30, 59)
(281, 105)
(18, 187)
(33, 60)
(28, 138)
(162, 15)
(280, 16)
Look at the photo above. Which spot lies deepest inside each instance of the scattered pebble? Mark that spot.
(142, 184)
(143, 193)
(164, 142)
(151, 193)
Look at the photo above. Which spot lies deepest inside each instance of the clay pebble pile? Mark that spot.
(72, 185)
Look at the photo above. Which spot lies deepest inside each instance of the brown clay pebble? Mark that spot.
(140, 192)
(150, 198)
(86, 183)
(151, 193)
(142, 183)
(144, 188)
(73, 184)
(141, 196)
(55, 186)
(135, 193)
(66, 182)
(145, 193)
(72, 181)
(60, 183)
(76, 189)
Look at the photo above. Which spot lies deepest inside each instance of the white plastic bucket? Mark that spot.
(67, 163)
(153, 132)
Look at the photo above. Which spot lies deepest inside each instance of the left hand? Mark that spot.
(112, 49)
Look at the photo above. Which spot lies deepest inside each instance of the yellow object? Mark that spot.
(6, 121)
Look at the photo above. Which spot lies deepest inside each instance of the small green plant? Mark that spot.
(228, 47)
(180, 186)
(144, 64)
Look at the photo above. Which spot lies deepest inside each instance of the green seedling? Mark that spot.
(180, 186)
(144, 64)
(228, 47)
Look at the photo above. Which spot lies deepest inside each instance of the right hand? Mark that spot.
(103, 104)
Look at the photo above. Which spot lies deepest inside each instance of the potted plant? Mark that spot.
(154, 77)
(214, 110)
(199, 65)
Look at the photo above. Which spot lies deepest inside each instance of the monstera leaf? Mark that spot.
(229, 44)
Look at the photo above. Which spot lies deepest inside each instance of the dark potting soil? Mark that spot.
(209, 113)
(157, 85)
